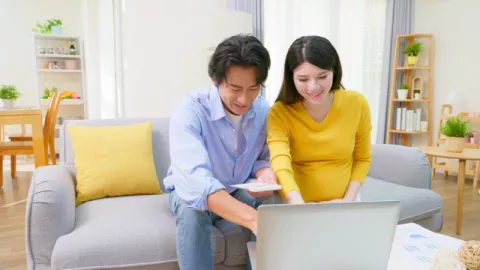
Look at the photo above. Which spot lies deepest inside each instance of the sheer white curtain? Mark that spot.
(355, 28)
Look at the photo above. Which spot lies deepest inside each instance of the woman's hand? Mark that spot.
(339, 200)
(294, 197)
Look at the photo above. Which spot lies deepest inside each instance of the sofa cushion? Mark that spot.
(124, 231)
(416, 203)
(160, 135)
(109, 165)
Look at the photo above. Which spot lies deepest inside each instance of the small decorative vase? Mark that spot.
(8, 103)
(402, 94)
(57, 30)
(455, 144)
(412, 61)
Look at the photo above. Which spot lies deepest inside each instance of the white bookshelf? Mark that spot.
(66, 72)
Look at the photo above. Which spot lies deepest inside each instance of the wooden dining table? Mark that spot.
(467, 154)
(26, 116)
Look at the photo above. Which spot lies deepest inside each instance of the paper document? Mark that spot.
(417, 246)
(258, 187)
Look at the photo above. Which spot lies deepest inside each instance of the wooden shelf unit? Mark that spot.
(50, 48)
(446, 113)
(409, 74)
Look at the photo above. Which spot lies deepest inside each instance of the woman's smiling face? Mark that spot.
(312, 82)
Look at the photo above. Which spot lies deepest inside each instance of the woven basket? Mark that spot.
(469, 254)
(455, 144)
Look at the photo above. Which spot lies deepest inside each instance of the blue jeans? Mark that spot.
(194, 250)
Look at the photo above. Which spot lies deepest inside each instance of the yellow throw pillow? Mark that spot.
(113, 161)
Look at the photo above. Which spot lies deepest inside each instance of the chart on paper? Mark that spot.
(418, 246)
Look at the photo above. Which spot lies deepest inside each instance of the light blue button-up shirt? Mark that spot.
(207, 152)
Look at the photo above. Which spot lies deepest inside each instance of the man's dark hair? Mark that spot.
(239, 50)
(315, 50)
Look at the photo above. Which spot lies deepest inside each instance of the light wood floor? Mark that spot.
(12, 217)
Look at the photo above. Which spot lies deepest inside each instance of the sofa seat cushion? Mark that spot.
(416, 203)
(236, 238)
(124, 231)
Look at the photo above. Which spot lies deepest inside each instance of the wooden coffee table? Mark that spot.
(467, 154)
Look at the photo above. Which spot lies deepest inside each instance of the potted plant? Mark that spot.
(417, 86)
(417, 94)
(8, 94)
(455, 129)
(412, 51)
(52, 26)
(402, 92)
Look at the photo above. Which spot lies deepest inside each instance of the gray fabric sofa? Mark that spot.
(138, 232)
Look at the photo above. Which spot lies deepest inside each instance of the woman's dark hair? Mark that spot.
(239, 50)
(315, 50)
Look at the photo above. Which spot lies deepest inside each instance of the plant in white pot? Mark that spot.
(402, 92)
(8, 95)
(455, 129)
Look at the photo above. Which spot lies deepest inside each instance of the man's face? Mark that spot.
(239, 89)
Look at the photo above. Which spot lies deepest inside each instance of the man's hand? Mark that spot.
(267, 176)
(233, 210)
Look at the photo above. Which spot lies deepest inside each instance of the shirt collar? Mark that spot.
(218, 111)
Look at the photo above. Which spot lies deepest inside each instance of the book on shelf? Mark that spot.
(408, 119)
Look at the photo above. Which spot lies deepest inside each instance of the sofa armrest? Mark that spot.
(50, 212)
(400, 165)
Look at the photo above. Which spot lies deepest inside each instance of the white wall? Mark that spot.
(455, 27)
(17, 18)
(165, 50)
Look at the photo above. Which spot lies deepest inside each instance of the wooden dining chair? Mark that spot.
(22, 145)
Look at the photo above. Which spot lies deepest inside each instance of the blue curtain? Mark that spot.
(399, 20)
(254, 7)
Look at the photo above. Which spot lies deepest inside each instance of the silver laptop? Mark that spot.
(331, 236)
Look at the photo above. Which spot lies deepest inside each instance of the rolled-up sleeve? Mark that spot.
(190, 163)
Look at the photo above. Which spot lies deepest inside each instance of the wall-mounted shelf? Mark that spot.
(64, 56)
(60, 70)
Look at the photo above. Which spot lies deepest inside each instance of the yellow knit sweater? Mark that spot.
(320, 159)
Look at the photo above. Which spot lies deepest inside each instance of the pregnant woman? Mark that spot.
(318, 132)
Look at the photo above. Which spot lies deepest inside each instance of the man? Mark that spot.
(218, 139)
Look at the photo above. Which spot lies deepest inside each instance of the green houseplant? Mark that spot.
(455, 129)
(412, 51)
(8, 94)
(53, 26)
(416, 94)
(402, 92)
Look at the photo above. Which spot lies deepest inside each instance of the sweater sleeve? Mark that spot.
(279, 145)
(362, 153)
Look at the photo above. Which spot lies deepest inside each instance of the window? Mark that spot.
(355, 28)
